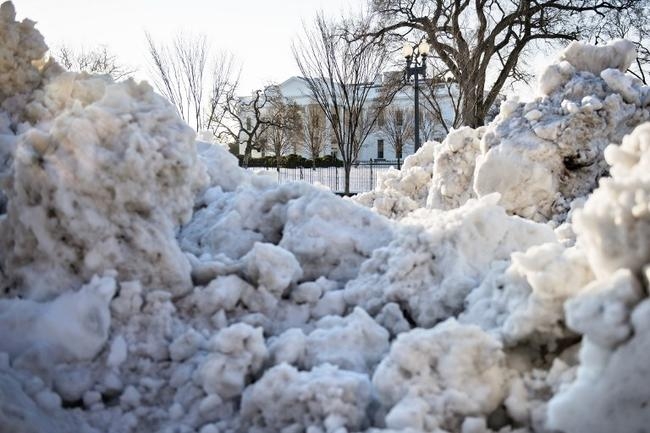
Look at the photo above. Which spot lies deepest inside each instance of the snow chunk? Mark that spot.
(434, 378)
(455, 160)
(272, 267)
(525, 300)
(324, 398)
(554, 76)
(602, 310)
(221, 293)
(21, 50)
(185, 345)
(399, 192)
(355, 342)
(100, 185)
(614, 224)
(238, 352)
(331, 237)
(74, 326)
(439, 257)
(629, 88)
(222, 166)
(611, 390)
(328, 236)
(117, 353)
(618, 54)
(21, 412)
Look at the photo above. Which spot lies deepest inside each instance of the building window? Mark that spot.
(380, 149)
(381, 119)
(248, 123)
(399, 117)
(334, 148)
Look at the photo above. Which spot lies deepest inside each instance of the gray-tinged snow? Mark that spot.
(99, 182)
(497, 283)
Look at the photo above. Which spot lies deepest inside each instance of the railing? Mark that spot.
(363, 175)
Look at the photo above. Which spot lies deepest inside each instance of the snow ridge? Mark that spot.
(497, 283)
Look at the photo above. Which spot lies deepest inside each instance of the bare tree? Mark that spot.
(96, 60)
(247, 120)
(397, 128)
(180, 74)
(225, 80)
(314, 131)
(430, 128)
(441, 102)
(470, 37)
(282, 134)
(342, 77)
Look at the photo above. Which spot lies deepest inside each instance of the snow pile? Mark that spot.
(613, 311)
(541, 155)
(439, 257)
(401, 191)
(522, 300)
(323, 399)
(329, 237)
(455, 161)
(22, 50)
(435, 378)
(151, 287)
(99, 183)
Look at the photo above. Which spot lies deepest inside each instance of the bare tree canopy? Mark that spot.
(249, 120)
(314, 130)
(342, 77)
(283, 135)
(397, 128)
(181, 73)
(471, 37)
(96, 60)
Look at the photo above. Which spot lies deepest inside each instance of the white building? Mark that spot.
(377, 145)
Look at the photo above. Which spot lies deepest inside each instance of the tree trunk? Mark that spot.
(347, 167)
(472, 112)
(277, 162)
(247, 156)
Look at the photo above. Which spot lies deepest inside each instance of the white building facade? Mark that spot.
(377, 145)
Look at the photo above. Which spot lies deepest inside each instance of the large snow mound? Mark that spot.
(497, 283)
(540, 156)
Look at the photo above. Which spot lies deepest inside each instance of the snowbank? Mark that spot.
(541, 155)
(150, 284)
(99, 185)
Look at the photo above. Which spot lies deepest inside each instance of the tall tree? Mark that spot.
(98, 60)
(342, 77)
(248, 120)
(224, 82)
(441, 103)
(283, 132)
(180, 72)
(471, 37)
(314, 131)
(397, 129)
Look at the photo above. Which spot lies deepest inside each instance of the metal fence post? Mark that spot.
(336, 178)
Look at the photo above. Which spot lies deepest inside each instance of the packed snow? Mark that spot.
(498, 282)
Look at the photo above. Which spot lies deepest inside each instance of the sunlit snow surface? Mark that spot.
(497, 283)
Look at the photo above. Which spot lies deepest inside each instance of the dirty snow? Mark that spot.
(497, 283)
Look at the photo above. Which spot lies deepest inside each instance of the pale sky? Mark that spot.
(258, 32)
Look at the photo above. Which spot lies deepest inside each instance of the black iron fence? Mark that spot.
(363, 175)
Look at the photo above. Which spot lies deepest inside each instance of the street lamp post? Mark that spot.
(416, 65)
